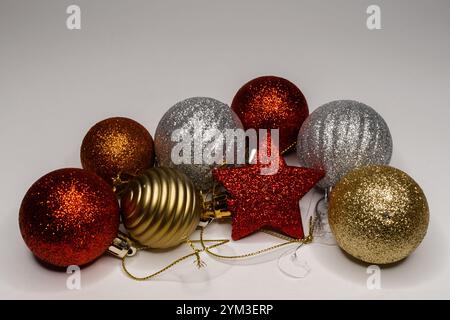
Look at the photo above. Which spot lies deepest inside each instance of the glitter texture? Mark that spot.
(340, 136)
(69, 217)
(194, 115)
(271, 201)
(117, 146)
(272, 103)
(378, 214)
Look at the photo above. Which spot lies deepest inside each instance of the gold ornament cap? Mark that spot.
(378, 214)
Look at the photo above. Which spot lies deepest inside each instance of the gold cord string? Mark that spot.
(308, 239)
(196, 253)
(289, 148)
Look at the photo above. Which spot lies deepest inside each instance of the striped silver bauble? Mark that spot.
(342, 135)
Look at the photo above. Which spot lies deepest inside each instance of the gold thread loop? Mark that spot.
(196, 253)
(288, 240)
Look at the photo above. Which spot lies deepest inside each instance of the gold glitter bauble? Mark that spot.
(161, 208)
(117, 146)
(378, 214)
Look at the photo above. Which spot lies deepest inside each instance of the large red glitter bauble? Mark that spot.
(69, 217)
(117, 146)
(271, 102)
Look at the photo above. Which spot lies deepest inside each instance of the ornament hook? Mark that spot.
(122, 246)
(215, 204)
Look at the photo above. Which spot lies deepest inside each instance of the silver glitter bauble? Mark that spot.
(195, 117)
(340, 136)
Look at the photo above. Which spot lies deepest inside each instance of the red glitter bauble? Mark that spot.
(272, 103)
(117, 147)
(69, 217)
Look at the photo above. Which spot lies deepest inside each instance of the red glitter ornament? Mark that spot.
(69, 217)
(272, 103)
(272, 201)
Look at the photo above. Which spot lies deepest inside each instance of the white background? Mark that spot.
(138, 58)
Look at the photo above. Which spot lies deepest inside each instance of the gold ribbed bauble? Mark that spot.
(161, 208)
(378, 214)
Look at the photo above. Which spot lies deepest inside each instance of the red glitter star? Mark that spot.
(272, 201)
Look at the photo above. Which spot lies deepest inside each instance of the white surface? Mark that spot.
(138, 58)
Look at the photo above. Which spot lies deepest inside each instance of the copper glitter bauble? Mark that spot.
(272, 103)
(69, 217)
(161, 208)
(117, 146)
(378, 214)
